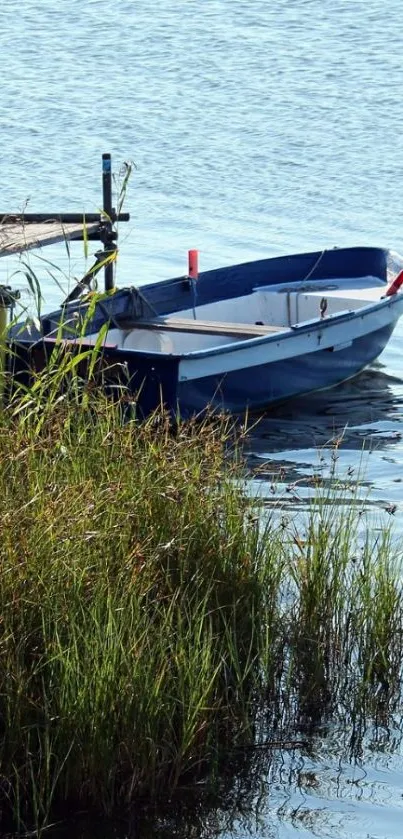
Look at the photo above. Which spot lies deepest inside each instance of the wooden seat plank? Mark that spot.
(238, 330)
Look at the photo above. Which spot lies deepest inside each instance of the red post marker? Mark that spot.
(193, 264)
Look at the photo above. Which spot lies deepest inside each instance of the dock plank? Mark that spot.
(18, 236)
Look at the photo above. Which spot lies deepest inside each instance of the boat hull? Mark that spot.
(248, 374)
(150, 381)
(264, 385)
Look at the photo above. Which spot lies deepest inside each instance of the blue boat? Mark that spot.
(239, 338)
(235, 339)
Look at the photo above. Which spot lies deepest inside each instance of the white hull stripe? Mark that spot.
(296, 343)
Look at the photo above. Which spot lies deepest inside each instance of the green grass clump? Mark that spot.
(129, 595)
(149, 619)
(346, 618)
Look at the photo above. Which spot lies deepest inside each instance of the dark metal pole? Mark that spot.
(107, 184)
(109, 214)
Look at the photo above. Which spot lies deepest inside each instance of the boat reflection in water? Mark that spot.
(351, 434)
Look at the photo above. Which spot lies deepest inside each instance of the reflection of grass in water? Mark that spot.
(290, 486)
(151, 624)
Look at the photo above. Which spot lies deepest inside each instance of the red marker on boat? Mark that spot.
(193, 264)
(395, 285)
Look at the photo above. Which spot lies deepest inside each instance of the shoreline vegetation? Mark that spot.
(154, 618)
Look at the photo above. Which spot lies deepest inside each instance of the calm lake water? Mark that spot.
(257, 129)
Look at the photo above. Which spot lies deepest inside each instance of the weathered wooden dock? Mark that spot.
(17, 234)
(20, 233)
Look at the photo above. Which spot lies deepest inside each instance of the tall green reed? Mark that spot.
(152, 617)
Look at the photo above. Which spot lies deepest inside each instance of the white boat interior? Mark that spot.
(269, 310)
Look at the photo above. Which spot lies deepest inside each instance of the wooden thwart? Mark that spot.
(212, 327)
